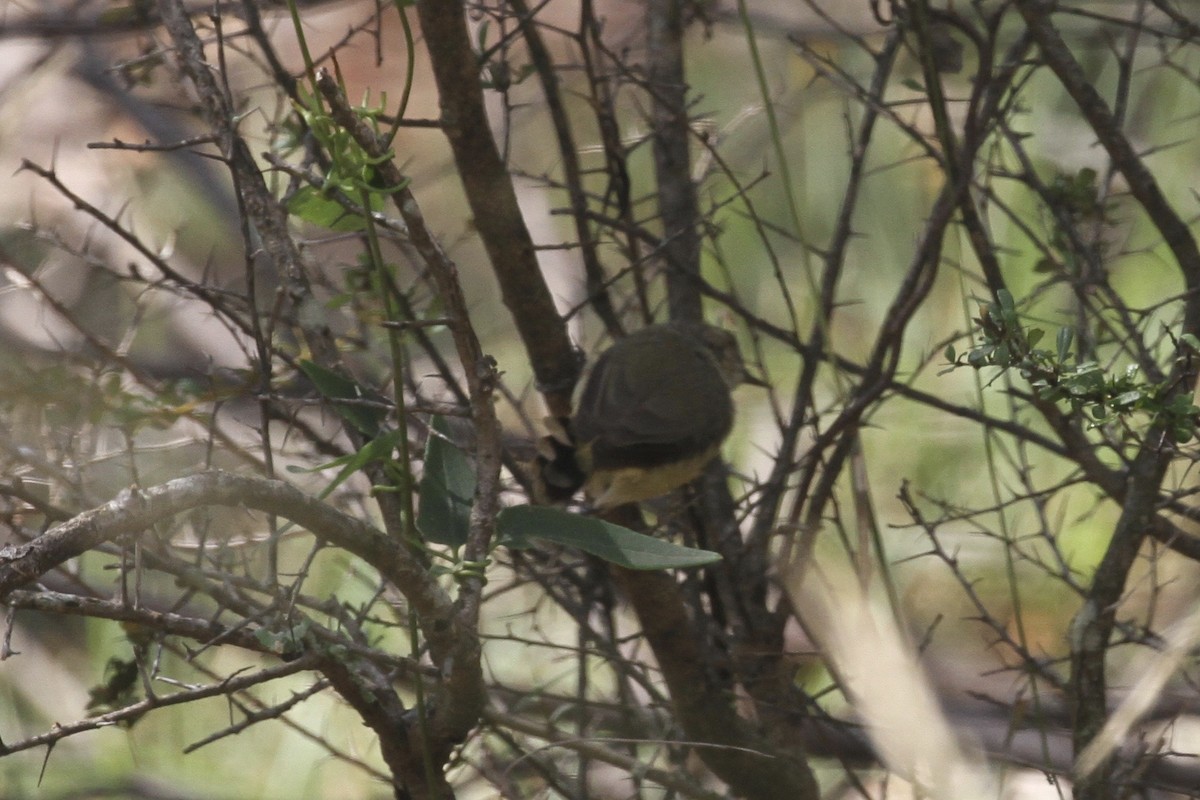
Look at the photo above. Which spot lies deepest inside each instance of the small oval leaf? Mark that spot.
(447, 489)
(1065, 335)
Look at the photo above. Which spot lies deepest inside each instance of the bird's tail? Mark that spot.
(557, 474)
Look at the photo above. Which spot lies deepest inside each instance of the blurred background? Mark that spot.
(776, 97)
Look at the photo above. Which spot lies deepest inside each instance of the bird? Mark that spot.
(654, 410)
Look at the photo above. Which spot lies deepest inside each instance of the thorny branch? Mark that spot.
(728, 679)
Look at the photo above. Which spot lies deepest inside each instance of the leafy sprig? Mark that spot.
(1086, 387)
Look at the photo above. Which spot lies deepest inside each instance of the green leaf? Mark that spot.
(979, 356)
(1181, 405)
(447, 490)
(283, 641)
(1064, 343)
(1007, 307)
(335, 386)
(949, 353)
(1183, 432)
(378, 449)
(1046, 265)
(516, 525)
(314, 206)
(296, 469)
(1127, 399)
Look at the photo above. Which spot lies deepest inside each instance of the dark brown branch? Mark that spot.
(1142, 184)
(1095, 622)
(573, 181)
(817, 346)
(462, 694)
(418, 772)
(671, 136)
(671, 779)
(135, 510)
(705, 705)
(136, 710)
(451, 644)
(493, 202)
(265, 222)
(167, 623)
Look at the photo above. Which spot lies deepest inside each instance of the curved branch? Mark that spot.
(134, 510)
(453, 646)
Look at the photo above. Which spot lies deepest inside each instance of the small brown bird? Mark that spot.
(654, 411)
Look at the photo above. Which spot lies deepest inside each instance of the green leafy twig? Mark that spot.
(1101, 396)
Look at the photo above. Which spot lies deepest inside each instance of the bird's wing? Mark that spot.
(677, 397)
